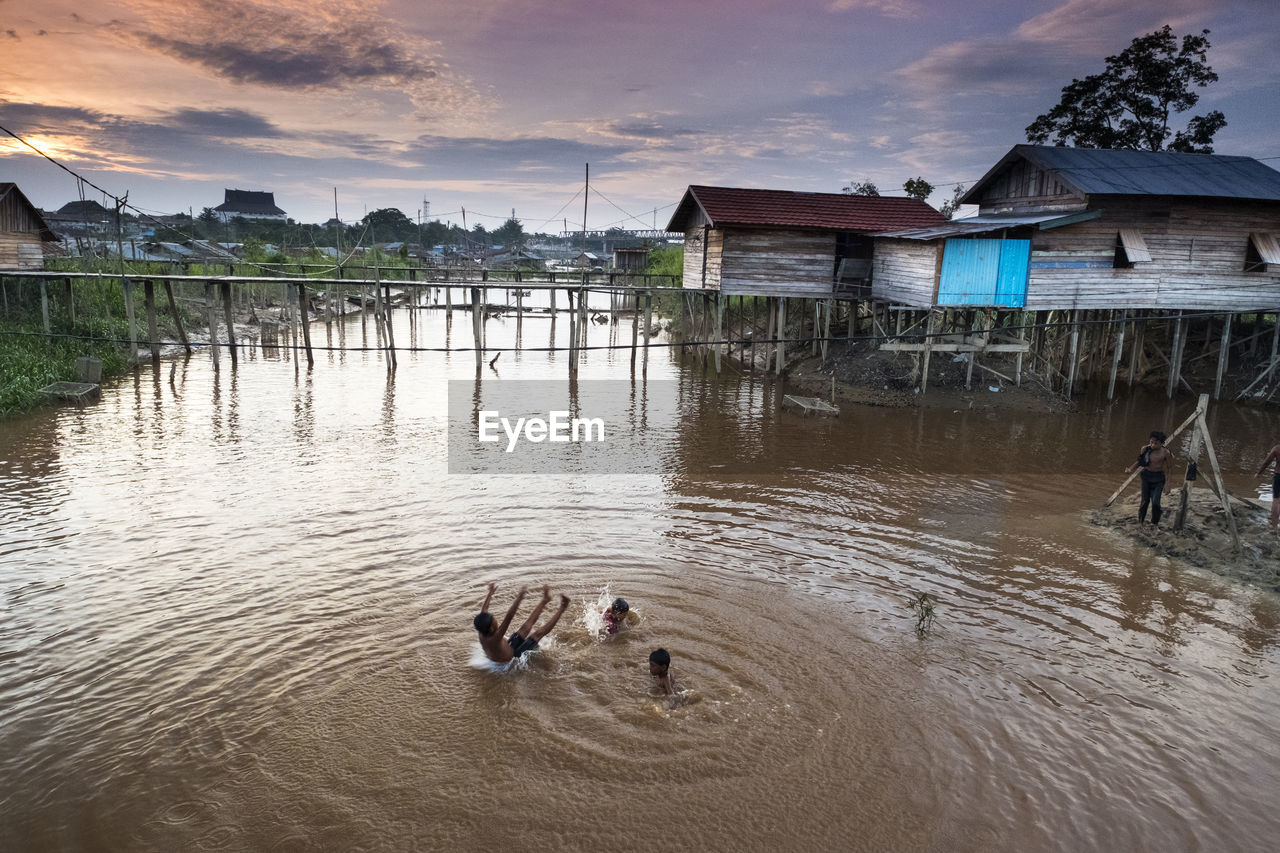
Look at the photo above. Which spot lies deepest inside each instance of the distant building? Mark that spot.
(250, 205)
(587, 260)
(22, 231)
(632, 260)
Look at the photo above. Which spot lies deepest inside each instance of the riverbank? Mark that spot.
(30, 360)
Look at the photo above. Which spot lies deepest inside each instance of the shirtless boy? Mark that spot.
(1155, 460)
(660, 669)
(1273, 456)
(500, 649)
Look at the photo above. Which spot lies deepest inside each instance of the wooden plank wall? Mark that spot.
(904, 271)
(693, 250)
(20, 251)
(1197, 259)
(1023, 186)
(778, 263)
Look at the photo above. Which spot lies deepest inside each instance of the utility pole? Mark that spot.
(586, 190)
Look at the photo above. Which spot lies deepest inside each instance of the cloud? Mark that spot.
(888, 8)
(481, 158)
(294, 45)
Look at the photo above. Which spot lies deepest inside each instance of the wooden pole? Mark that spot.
(770, 317)
(133, 323)
(648, 324)
(928, 352)
(1115, 357)
(1075, 349)
(635, 332)
(1193, 454)
(44, 306)
(781, 349)
(305, 322)
(1224, 355)
(228, 314)
(386, 320)
(476, 333)
(719, 333)
(71, 305)
(153, 333)
(1217, 476)
(827, 308)
(177, 318)
(213, 321)
(1175, 357)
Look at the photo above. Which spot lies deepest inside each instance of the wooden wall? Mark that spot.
(777, 262)
(1197, 258)
(20, 251)
(904, 272)
(1023, 186)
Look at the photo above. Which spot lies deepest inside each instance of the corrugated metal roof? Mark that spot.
(786, 209)
(1103, 171)
(975, 225)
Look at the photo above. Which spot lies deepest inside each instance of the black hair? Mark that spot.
(619, 606)
(660, 656)
(1158, 436)
(483, 623)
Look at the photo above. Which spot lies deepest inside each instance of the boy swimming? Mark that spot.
(660, 669)
(615, 615)
(500, 649)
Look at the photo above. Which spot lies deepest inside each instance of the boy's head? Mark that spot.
(1158, 437)
(659, 661)
(483, 623)
(619, 607)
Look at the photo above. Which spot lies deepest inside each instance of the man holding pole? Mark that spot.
(1154, 460)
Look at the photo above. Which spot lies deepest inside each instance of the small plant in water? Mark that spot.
(922, 606)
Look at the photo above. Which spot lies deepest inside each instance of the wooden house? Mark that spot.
(1075, 228)
(22, 231)
(749, 242)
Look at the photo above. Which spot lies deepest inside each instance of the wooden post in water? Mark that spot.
(477, 332)
(928, 353)
(1115, 357)
(1224, 355)
(635, 331)
(177, 318)
(1135, 349)
(133, 323)
(719, 331)
(229, 315)
(770, 315)
(305, 322)
(1175, 358)
(1217, 476)
(153, 333)
(386, 320)
(828, 307)
(648, 324)
(1192, 454)
(1075, 353)
(781, 351)
(213, 321)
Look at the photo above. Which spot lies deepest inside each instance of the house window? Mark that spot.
(1262, 249)
(1130, 249)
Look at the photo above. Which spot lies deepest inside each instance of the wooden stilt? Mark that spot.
(213, 321)
(827, 307)
(386, 321)
(648, 323)
(1075, 347)
(44, 306)
(477, 333)
(304, 320)
(771, 316)
(1217, 476)
(1115, 357)
(1224, 355)
(719, 331)
(153, 332)
(928, 352)
(781, 350)
(1135, 349)
(177, 317)
(133, 323)
(1175, 357)
(635, 332)
(228, 313)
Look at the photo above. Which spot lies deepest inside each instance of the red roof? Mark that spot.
(786, 209)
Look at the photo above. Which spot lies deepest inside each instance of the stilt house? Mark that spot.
(22, 231)
(748, 242)
(1076, 228)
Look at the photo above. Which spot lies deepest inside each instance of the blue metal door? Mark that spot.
(984, 272)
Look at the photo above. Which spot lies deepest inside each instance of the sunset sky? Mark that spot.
(495, 104)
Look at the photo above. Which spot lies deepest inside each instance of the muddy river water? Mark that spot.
(236, 614)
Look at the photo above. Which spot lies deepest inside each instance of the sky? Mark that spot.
(495, 106)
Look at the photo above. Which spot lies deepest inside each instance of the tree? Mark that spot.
(951, 205)
(918, 188)
(391, 225)
(1130, 103)
(510, 233)
(864, 187)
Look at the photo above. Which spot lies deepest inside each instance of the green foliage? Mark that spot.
(918, 188)
(864, 187)
(1129, 104)
(666, 260)
(510, 234)
(390, 225)
(951, 205)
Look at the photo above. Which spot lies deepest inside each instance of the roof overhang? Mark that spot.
(988, 224)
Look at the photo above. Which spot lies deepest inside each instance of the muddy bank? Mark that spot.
(1205, 539)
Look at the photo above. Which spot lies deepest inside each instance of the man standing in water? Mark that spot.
(500, 649)
(1273, 456)
(1154, 460)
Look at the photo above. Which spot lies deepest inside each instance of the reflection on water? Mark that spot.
(237, 610)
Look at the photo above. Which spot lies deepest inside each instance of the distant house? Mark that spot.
(85, 211)
(22, 231)
(587, 260)
(1076, 228)
(783, 243)
(250, 205)
(632, 260)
